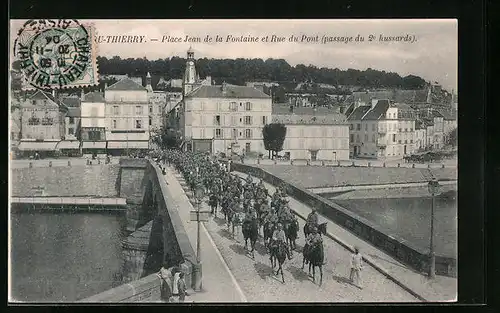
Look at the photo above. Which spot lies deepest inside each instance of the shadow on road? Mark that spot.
(298, 273)
(263, 270)
(225, 233)
(342, 280)
(260, 249)
(238, 249)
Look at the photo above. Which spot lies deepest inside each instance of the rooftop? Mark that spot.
(378, 111)
(94, 97)
(71, 102)
(227, 91)
(73, 112)
(285, 110)
(292, 119)
(126, 84)
(358, 113)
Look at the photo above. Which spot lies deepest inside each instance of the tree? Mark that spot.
(274, 136)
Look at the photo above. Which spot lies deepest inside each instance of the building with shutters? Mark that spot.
(93, 124)
(127, 118)
(313, 133)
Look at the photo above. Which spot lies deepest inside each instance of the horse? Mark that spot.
(250, 231)
(278, 253)
(314, 255)
(321, 229)
(291, 230)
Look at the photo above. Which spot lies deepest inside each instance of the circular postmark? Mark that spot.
(53, 53)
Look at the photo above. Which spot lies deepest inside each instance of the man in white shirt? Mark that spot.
(356, 267)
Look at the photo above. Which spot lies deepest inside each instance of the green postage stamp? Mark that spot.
(56, 54)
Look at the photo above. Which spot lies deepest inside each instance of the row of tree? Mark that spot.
(238, 71)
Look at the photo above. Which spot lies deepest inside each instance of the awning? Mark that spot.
(69, 145)
(94, 145)
(128, 144)
(38, 145)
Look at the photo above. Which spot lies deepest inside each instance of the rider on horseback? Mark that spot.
(279, 238)
(314, 237)
(312, 219)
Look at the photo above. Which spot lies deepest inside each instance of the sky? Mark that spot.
(433, 55)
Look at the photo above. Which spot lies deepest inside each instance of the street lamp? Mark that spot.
(433, 187)
(199, 193)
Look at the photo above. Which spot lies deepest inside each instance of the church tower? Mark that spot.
(148, 83)
(189, 81)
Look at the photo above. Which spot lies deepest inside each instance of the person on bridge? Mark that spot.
(356, 267)
(166, 283)
(213, 201)
(279, 238)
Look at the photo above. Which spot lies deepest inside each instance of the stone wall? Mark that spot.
(70, 181)
(364, 229)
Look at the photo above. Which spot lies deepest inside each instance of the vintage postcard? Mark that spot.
(200, 161)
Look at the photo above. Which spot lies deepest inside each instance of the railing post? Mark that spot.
(69, 163)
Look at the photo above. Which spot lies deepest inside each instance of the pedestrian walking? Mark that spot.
(356, 268)
(166, 284)
(181, 288)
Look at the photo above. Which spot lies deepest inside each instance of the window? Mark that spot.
(248, 106)
(411, 140)
(233, 106)
(314, 155)
(358, 127)
(116, 110)
(352, 138)
(218, 133)
(247, 147)
(94, 135)
(399, 141)
(235, 132)
(114, 123)
(47, 121)
(406, 129)
(150, 121)
(400, 130)
(351, 127)
(217, 120)
(264, 120)
(248, 120)
(373, 137)
(357, 137)
(373, 127)
(71, 131)
(138, 124)
(406, 141)
(248, 133)
(138, 110)
(72, 120)
(393, 137)
(366, 137)
(150, 109)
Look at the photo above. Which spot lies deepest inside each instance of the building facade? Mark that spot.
(42, 124)
(314, 137)
(93, 124)
(127, 118)
(380, 130)
(225, 119)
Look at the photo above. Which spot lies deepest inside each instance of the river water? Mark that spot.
(410, 219)
(65, 256)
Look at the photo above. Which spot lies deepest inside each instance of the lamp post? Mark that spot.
(199, 192)
(433, 187)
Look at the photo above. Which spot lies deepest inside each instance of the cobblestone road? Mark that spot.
(260, 285)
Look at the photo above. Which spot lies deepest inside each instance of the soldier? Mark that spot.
(279, 238)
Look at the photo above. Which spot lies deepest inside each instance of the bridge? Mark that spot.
(159, 209)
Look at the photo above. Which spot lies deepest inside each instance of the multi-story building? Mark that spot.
(42, 124)
(93, 124)
(420, 135)
(157, 101)
(313, 135)
(127, 117)
(225, 118)
(380, 130)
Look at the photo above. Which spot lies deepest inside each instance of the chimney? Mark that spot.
(82, 95)
(53, 93)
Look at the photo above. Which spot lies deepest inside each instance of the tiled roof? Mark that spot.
(358, 113)
(126, 84)
(74, 112)
(332, 119)
(285, 109)
(94, 97)
(231, 91)
(71, 102)
(378, 111)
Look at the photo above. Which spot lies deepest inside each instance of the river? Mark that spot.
(409, 218)
(64, 257)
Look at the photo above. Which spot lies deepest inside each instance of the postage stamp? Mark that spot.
(56, 54)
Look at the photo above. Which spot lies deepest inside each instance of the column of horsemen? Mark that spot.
(248, 204)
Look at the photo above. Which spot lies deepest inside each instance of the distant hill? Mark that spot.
(239, 71)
